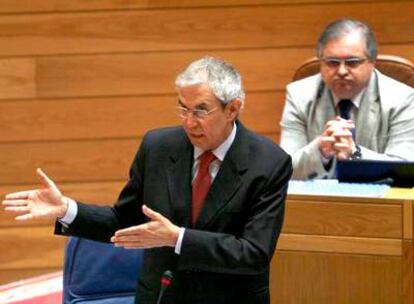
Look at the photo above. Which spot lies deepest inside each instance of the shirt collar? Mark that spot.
(356, 101)
(221, 151)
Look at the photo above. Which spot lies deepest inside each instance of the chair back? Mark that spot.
(96, 272)
(393, 66)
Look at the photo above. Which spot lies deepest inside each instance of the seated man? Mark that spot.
(350, 110)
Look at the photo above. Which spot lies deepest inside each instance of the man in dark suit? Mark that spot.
(205, 200)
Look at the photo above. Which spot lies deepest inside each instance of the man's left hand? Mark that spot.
(158, 232)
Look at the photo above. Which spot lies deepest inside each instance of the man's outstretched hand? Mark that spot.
(47, 202)
(158, 232)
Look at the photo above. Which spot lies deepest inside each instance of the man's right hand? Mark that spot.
(329, 137)
(44, 203)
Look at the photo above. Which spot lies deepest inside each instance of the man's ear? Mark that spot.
(233, 109)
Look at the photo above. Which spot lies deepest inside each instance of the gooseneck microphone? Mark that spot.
(166, 280)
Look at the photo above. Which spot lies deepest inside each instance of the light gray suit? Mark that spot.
(384, 123)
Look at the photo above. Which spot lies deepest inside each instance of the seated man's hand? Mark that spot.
(344, 144)
(330, 136)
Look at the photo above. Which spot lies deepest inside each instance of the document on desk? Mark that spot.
(332, 187)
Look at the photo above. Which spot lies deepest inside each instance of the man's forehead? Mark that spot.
(349, 44)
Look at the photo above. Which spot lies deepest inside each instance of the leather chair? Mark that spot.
(99, 273)
(393, 66)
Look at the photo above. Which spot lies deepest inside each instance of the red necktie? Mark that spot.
(201, 184)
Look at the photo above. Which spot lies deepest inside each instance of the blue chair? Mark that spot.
(99, 273)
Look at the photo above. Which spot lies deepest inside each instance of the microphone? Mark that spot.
(166, 280)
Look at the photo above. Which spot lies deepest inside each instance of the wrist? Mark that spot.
(356, 153)
(65, 205)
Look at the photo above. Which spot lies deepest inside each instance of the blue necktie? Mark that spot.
(345, 107)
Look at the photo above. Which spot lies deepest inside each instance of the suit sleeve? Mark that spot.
(306, 157)
(99, 223)
(251, 252)
(400, 138)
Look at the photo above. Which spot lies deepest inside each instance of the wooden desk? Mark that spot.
(345, 250)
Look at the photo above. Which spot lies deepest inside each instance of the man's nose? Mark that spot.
(342, 69)
(190, 121)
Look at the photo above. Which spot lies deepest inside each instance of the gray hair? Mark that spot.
(342, 27)
(221, 77)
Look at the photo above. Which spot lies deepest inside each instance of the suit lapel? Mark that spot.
(322, 111)
(368, 117)
(179, 181)
(228, 179)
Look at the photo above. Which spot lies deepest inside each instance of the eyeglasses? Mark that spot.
(197, 113)
(350, 62)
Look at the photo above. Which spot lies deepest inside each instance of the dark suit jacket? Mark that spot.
(225, 257)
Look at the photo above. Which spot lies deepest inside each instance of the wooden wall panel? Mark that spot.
(17, 78)
(30, 251)
(116, 117)
(32, 247)
(105, 160)
(12, 6)
(154, 73)
(369, 220)
(194, 29)
(343, 278)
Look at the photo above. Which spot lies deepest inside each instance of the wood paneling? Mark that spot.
(12, 6)
(17, 78)
(338, 244)
(330, 218)
(12, 275)
(194, 29)
(31, 247)
(315, 278)
(116, 117)
(154, 73)
(408, 272)
(105, 160)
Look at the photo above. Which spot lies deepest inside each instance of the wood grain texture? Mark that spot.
(195, 29)
(105, 160)
(116, 117)
(22, 6)
(12, 275)
(31, 247)
(340, 244)
(408, 272)
(315, 278)
(344, 219)
(17, 78)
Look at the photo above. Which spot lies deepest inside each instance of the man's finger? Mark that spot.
(151, 213)
(130, 230)
(19, 195)
(17, 209)
(45, 180)
(24, 217)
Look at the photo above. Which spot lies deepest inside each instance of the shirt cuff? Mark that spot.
(70, 214)
(177, 249)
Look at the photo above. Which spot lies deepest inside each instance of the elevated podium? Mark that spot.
(336, 249)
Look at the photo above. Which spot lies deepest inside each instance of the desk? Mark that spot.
(345, 250)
